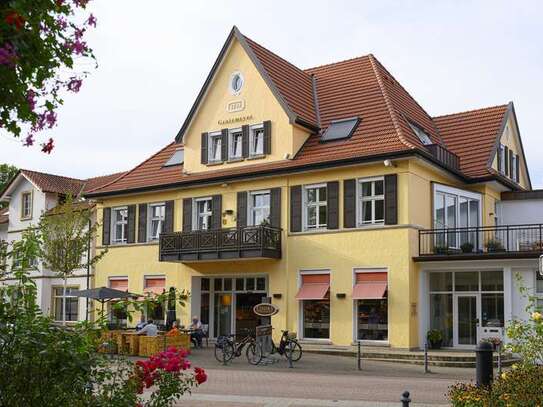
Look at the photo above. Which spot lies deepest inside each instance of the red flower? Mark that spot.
(200, 375)
(15, 19)
(47, 147)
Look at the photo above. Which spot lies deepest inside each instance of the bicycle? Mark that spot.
(288, 345)
(227, 348)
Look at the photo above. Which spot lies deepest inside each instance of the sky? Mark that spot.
(154, 57)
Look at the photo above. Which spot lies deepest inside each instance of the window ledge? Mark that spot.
(256, 157)
(357, 229)
(212, 163)
(235, 160)
(112, 245)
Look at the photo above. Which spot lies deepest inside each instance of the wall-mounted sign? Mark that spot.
(238, 119)
(235, 106)
(265, 310)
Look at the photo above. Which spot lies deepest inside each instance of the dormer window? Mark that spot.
(421, 134)
(215, 147)
(256, 141)
(236, 143)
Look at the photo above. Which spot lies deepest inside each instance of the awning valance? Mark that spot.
(370, 286)
(314, 287)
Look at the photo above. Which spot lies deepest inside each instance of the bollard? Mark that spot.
(359, 358)
(426, 368)
(484, 364)
(405, 399)
(289, 355)
(499, 359)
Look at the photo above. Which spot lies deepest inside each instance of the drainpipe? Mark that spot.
(88, 274)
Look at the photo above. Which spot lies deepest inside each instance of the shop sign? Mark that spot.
(265, 310)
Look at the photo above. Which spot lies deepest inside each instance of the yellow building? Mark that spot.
(314, 188)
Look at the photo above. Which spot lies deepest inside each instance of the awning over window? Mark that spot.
(370, 286)
(119, 284)
(314, 287)
(155, 285)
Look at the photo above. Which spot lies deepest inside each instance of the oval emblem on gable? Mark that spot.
(265, 310)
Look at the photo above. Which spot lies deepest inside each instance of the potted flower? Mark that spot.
(440, 249)
(467, 247)
(494, 245)
(435, 338)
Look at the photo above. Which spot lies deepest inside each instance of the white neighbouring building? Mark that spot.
(29, 195)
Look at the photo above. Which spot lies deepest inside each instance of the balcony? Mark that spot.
(250, 242)
(486, 242)
(443, 155)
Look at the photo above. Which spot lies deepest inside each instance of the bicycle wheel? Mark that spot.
(254, 353)
(224, 352)
(293, 349)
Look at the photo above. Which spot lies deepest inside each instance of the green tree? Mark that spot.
(66, 234)
(42, 54)
(7, 172)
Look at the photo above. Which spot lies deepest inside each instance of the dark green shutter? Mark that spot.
(517, 163)
(332, 205)
(242, 209)
(245, 141)
(224, 145)
(296, 208)
(142, 223)
(511, 154)
(168, 217)
(275, 207)
(204, 141)
(349, 203)
(267, 137)
(500, 169)
(391, 199)
(216, 215)
(187, 214)
(506, 153)
(131, 235)
(106, 226)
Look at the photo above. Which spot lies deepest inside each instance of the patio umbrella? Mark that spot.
(170, 311)
(103, 294)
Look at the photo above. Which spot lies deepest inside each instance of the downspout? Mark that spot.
(88, 274)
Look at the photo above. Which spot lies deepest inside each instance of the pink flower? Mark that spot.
(78, 33)
(91, 21)
(81, 3)
(62, 23)
(47, 147)
(31, 99)
(29, 140)
(74, 85)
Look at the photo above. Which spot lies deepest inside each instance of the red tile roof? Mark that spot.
(359, 87)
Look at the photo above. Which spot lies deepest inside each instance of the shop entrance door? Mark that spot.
(245, 317)
(467, 311)
(223, 314)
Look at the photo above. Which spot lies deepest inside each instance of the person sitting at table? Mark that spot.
(175, 330)
(142, 322)
(196, 333)
(150, 329)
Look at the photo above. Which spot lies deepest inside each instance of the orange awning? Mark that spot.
(155, 285)
(370, 290)
(119, 284)
(314, 287)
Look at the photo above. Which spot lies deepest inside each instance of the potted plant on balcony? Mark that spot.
(441, 249)
(434, 338)
(467, 247)
(494, 245)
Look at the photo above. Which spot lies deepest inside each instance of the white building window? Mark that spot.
(203, 211)
(371, 201)
(315, 207)
(119, 224)
(513, 171)
(259, 207)
(156, 220)
(502, 159)
(70, 302)
(215, 147)
(256, 140)
(236, 141)
(26, 205)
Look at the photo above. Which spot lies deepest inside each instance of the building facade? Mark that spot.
(331, 191)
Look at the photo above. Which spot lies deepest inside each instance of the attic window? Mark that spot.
(421, 134)
(176, 159)
(340, 129)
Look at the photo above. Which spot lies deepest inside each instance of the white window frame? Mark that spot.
(231, 146)
(26, 211)
(151, 218)
(513, 171)
(503, 159)
(301, 305)
(251, 208)
(252, 134)
(360, 199)
(61, 298)
(211, 137)
(115, 222)
(318, 204)
(196, 215)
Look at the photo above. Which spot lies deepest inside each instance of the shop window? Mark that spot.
(492, 280)
(204, 309)
(250, 284)
(240, 284)
(466, 281)
(492, 310)
(369, 292)
(227, 284)
(441, 316)
(217, 284)
(260, 284)
(440, 281)
(205, 284)
(316, 318)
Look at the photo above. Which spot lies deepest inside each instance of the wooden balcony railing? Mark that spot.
(445, 156)
(491, 241)
(231, 243)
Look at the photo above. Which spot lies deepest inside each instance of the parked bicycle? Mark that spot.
(228, 348)
(288, 346)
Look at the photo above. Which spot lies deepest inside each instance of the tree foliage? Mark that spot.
(42, 54)
(7, 172)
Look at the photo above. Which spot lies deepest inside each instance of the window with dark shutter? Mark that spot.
(267, 137)
(500, 169)
(391, 199)
(241, 209)
(275, 207)
(296, 208)
(511, 164)
(142, 223)
(168, 217)
(332, 206)
(517, 174)
(224, 145)
(216, 207)
(349, 203)
(187, 214)
(106, 226)
(245, 141)
(506, 160)
(204, 159)
(131, 236)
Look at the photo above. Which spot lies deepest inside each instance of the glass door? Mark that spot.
(223, 314)
(467, 311)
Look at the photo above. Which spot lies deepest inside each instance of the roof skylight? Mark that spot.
(421, 134)
(340, 129)
(176, 159)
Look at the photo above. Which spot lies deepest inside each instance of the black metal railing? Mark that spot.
(445, 156)
(488, 240)
(244, 242)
